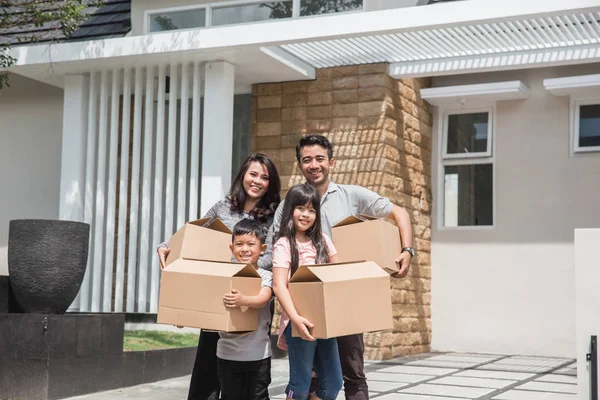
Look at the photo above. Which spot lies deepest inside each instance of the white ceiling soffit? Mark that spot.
(574, 85)
(484, 93)
(474, 47)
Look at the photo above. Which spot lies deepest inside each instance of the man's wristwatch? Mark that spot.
(410, 250)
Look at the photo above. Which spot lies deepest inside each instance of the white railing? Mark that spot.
(132, 200)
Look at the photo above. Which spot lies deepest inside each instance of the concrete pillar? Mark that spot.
(72, 174)
(217, 133)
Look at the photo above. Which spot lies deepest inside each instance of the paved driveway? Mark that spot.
(449, 376)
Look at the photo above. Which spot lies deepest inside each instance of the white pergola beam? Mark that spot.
(479, 93)
(496, 62)
(454, 14)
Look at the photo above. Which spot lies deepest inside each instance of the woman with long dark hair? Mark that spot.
(254, 194)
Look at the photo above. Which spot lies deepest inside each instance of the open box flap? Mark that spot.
(338, 272)
(213, 224)
(353, 219)
(212, 268)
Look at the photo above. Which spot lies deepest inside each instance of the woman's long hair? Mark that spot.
(267, 205)
(301, 195)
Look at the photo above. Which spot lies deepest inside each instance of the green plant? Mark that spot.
(28, 21)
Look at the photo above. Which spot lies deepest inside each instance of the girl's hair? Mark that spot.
(301, 195)
(268, 204)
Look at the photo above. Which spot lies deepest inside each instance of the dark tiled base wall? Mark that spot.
(57, 356)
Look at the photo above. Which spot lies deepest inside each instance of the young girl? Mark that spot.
(301, 242)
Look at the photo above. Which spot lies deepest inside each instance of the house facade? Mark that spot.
(482, 119)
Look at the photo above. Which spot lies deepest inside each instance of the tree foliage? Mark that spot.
(29, 21)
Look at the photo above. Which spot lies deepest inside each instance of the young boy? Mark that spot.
(244, 361)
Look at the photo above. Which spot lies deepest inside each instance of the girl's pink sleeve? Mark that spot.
(282, 255)
(331, 251)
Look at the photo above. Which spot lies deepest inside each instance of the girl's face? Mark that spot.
(256, 180)
(304, 217)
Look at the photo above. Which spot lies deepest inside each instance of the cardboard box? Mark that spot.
(368, 238)
(195, 241)
(191, 294)
(343, 299)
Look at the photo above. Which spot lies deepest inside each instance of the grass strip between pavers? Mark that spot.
(155, 340)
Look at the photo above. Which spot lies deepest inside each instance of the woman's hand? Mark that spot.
(303, 326)
(234, 299)
(163, 252)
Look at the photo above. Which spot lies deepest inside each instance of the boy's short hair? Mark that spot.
(314, 140)
(250, 227)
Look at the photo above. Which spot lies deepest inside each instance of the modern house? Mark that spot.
(481, 117)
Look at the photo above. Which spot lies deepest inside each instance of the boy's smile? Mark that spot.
(247, 248)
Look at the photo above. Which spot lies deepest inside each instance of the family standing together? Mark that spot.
(278, 236)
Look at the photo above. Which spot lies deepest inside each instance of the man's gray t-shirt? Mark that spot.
(253, 346)
(342, 201)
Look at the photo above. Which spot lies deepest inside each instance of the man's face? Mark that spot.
(315, 164)
(247, 248)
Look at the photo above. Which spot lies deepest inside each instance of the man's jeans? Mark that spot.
(302, 354)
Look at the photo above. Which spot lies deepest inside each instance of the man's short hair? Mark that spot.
(314, 140)
(249, 226)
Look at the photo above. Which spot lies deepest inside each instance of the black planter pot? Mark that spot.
(46, 263)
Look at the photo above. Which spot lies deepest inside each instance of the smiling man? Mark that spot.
(314, 154)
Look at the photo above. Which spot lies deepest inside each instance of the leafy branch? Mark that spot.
(30, 21)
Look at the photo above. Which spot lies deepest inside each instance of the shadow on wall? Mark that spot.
(30, 133)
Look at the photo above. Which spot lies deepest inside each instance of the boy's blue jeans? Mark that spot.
(302, 354)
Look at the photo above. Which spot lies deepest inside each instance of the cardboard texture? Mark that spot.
(368, 238)
(195, 241)
(191, 294)
(343, 299)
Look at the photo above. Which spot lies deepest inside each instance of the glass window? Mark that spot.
(589, 126)
(252, 12)
(468, 193)
(178, 20)
(316, 7)
(468, 133)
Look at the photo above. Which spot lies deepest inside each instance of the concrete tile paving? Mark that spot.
(455, 376)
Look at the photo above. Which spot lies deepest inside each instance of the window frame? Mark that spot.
(228, 3)
(464, 159)
(490, 133)
(574, 114)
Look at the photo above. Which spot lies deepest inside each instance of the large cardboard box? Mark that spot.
(368, 238)
(191, 294)
(343, 299)
(195, 241)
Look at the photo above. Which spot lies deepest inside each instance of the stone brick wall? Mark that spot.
(381, 132)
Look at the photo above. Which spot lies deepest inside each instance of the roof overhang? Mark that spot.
(440, 39)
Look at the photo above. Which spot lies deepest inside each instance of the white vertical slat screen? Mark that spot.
(183, 147)
(145, 220)
(171, 149)
(138, 188)
(123, 195)
(157, 233)
(111, 193)
(99, 214)
(134, 193)
(195, 142)
(90, 178)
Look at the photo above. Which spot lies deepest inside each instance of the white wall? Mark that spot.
(30, 149)
(510, 289)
